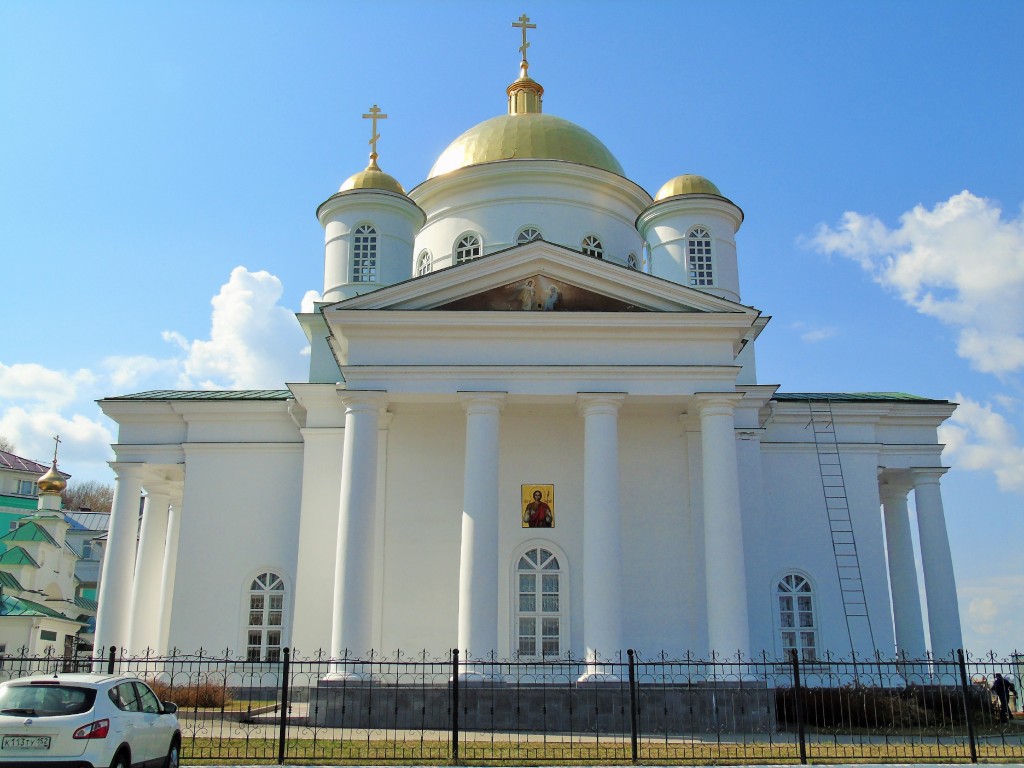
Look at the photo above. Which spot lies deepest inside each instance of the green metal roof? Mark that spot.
(211, 394)
(7, 581)
(17, 556)
(31, 531)
(18, 502)
(85, 603)
(16, 606)
(854, 397)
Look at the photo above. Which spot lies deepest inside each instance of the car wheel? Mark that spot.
(120, 760)
(173, 755)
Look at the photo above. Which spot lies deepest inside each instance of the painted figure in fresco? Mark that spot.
(527, 296)
(552, 299)
(537, 514)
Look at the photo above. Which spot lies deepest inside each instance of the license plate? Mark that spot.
(26, 742)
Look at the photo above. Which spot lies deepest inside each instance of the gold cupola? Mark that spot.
(525, 133)
(687, 184)
(52, 483)
(372, 177)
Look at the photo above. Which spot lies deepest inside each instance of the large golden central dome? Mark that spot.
(526, 136)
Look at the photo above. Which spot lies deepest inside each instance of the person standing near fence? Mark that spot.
(1002, 688)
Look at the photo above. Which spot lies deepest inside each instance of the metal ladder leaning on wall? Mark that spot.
(840, 522)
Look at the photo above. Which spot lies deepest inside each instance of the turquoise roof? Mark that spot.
(16, 606)
(30, 531)
(85, 603)
(853, 397)
(7, 581)
(211, 394)
(17, 556)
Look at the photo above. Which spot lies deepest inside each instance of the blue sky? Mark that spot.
(160, 165)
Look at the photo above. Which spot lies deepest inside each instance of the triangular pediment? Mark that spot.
(540, 276)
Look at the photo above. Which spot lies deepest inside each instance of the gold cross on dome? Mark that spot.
(56, 442)
(374, 115)
(524, 24)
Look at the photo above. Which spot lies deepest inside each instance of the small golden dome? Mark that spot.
(52, 483)
(526, 136)
(372, 178)
(687, 184)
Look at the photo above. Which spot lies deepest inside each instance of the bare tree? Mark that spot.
(6, 444)
(88, 494)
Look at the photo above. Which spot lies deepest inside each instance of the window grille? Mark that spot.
(698, 248)
(364, 255)
(467, 248)
(592, 247)
(538, 605)
(797, 621)
(424, 263)
(266, 618)
(528, 235)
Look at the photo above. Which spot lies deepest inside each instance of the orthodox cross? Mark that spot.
(56, 443)
(374, 116)
(524, 24)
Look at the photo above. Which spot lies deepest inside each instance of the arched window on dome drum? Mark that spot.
(698, 254)
(528, 235)
(467, 248)
(364, 254)
(539, 609)
(632, 262)
(423, 263)
(264, 633)
(797, 621)
(592, 247)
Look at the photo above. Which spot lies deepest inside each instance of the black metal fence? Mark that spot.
(399, 708)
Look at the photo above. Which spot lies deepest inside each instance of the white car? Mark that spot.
(86, 721)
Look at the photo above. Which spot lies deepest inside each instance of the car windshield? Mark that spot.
(45, 700)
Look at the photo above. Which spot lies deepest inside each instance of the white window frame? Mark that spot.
(806, 637)
(424, 263)
(463, 249)
(562, 614)
(592, 246)
(364, 254)
(700, 257)
(275, 586)
(528, 235)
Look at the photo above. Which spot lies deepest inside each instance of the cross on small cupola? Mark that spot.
(524, 24)
(374, 115)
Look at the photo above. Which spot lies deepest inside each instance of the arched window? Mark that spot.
(266, 618)
(797, 621)
(364, 255)
(467, 248)
(591, 246)
(632, 262)
(698, 250)
(540, 615)
(423, 263)
(527, 235)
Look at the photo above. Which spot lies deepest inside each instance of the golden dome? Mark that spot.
(52, 483)
(687, 184)
(372, 178)
(527, 135)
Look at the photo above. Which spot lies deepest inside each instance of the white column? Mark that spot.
(937, 563)
(352, 623)
(113, 617)
(478, 565)
(724, 559)
(167, 574)
(602, 545)
(149, 560)
(906, 593)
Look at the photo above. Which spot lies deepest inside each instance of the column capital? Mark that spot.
(927, 475)
(357, 401)
(157, 488)
(482, 402)
(124, 470)
(588, 403)
(717, 403)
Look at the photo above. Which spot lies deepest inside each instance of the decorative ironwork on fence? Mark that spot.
(401, 708)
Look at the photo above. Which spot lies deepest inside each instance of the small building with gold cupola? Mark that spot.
(533, 428)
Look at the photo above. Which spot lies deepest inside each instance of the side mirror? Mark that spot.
(168, 708)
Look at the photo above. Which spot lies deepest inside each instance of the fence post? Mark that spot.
(632, 703)
(455, 705)
(285, 684)
(110, 659)
(968, 714)
(798, 706)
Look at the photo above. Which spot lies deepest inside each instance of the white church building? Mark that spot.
(532, 427)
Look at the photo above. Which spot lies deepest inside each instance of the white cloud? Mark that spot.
(980, 438)
(990, 606)
(42, 386)
(961, 262)
(254, 342)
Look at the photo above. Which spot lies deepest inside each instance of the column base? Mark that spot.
(343, 678)
(472, 679)
(598, 677)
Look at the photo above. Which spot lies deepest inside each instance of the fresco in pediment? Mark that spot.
(540, 293)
